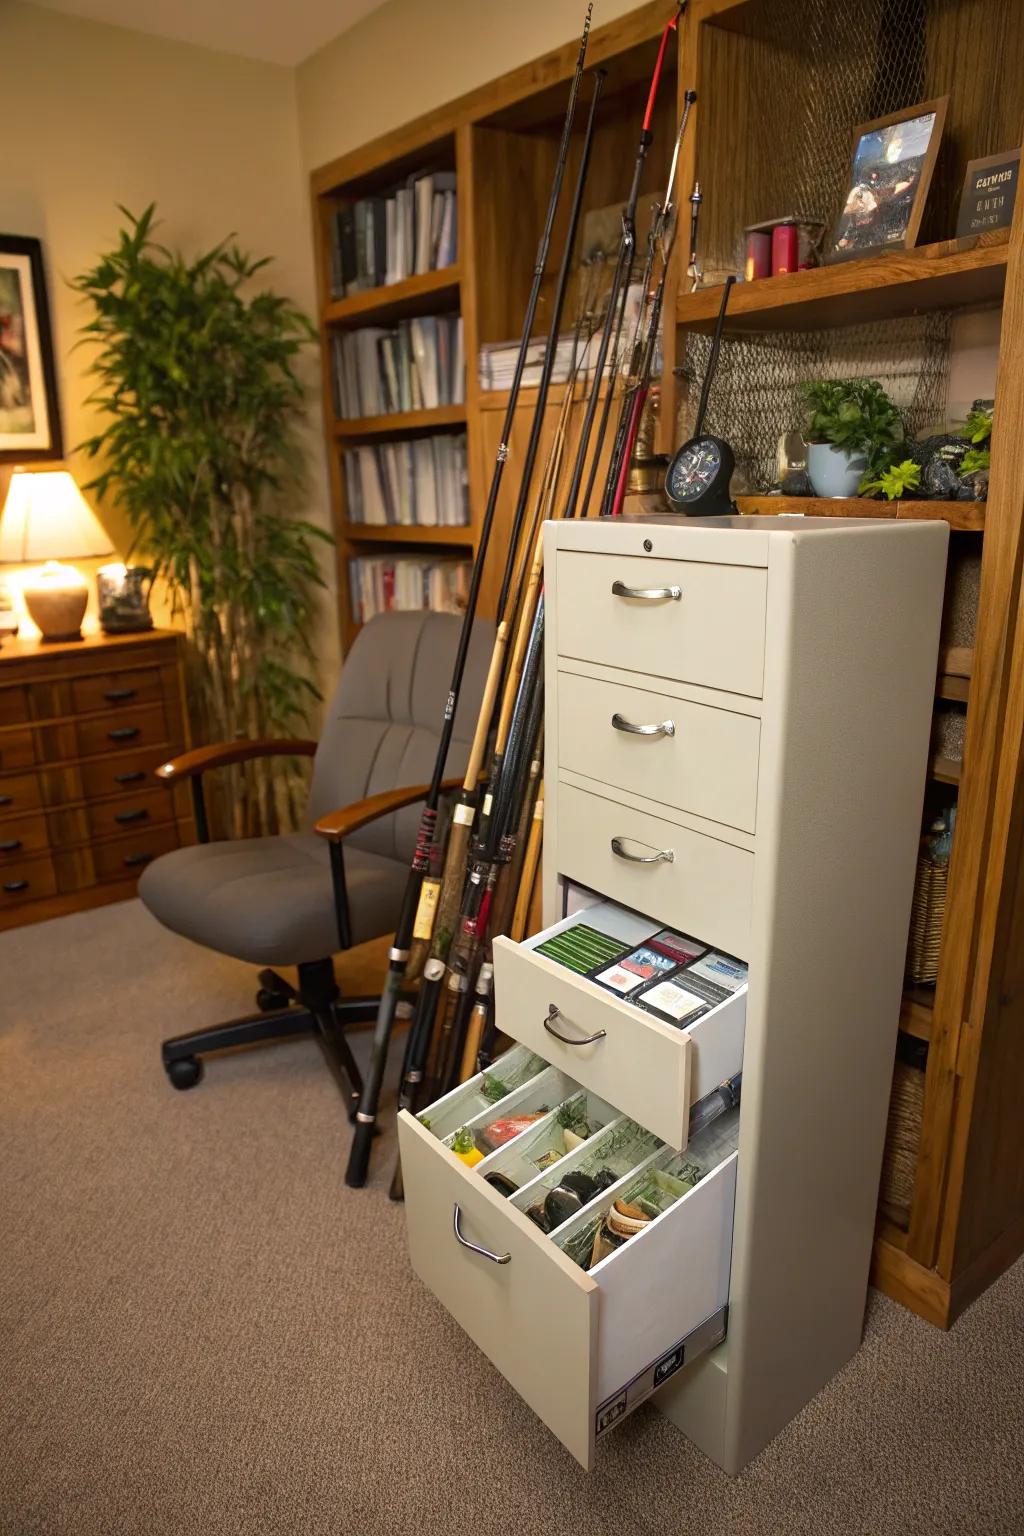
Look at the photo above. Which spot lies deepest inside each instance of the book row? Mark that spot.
(416, 365)
(388, 584)
(419, 481)
(382, 240)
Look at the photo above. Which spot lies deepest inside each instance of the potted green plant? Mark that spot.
(200, 448)
(851, 426)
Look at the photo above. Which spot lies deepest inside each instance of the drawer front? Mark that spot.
(689, 756)
(702, 886)
(123, 774)
(17, 750)
(18, 793)
(117, 690)
(133, 812)
(126, 856)
(20, 835)
(711, 633)
(13, 706)
(647, 1068)
(139, 727)
(568, 1342)
(26, 880)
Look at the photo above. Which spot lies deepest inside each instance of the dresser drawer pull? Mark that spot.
(6, 799)
(133, 860)
(14, 886)
(647, 594)
(662, 856)
(119, 695)
(553, 1013)
(123, 733)
(664, 728)
(127, 817)
(495, 1258)
(129, 778)
(11, 846)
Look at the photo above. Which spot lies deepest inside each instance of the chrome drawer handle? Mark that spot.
(495, 1258)
(14, 886)
(646, 594)
(664, 728)
(663, 855)
(553, 1013)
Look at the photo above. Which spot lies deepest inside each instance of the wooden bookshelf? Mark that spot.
(425, 293)
(916, 1011)
(402, 423)
(403, 533)
(964, 516)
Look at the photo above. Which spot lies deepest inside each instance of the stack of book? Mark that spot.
(381, 240)
(387, 584)
(497, 363)
(421, 481)
(416, 365)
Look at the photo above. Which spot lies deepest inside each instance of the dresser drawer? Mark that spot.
(13, 706)
(122, 774)
(581, 1348)
(702, 624)
(19, 792)
(26, 879)
(21, 835)
(126, 856)
(701, 885)
(137, 727)
(153, 808)
(17, 750)
(690, 756)
(117, 690)
(651, 1070)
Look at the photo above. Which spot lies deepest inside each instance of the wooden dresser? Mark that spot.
(83, 724)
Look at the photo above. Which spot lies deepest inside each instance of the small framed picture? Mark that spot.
(29, 410)
(990, 191)
(893, 161)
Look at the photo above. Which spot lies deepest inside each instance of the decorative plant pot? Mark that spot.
(834, 472)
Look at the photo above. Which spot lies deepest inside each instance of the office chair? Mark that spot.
(299, 898)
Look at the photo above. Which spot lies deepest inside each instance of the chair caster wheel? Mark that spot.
(268, 1001)
(185, 1072)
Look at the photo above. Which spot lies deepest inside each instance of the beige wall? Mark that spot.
(101, 116)
(413, 55)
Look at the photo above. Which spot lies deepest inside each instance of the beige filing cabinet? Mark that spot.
(782, 672)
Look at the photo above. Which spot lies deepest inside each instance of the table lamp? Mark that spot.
(47, 518)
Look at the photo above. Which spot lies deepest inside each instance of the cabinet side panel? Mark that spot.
(853, 630)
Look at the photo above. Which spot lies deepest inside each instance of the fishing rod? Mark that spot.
(615, 312)
(663, 233)
(366, 1114)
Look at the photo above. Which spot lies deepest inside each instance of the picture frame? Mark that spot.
(890, 173)
(989, 194)
(30, 422)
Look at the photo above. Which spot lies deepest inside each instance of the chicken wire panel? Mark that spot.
(754, 398)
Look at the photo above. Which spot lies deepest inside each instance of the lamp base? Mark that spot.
(57, 608)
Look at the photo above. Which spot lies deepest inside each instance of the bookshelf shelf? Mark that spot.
(916, 1011)
(952, 274)
(401, 423)
(963, 516)
(427, 293)
(406, 533)
(945, 770)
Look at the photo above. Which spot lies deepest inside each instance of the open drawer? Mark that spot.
(650, 1069)
(582, 1348)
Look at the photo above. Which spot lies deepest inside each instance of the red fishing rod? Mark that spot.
(366, 1114)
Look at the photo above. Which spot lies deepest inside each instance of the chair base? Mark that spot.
(315, 1007)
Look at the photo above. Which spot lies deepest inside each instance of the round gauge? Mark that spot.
(697, 480)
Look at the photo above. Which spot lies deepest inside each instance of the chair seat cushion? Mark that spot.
(270, 900)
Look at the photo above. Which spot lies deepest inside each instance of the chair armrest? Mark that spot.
(338, 824)
(189, 765)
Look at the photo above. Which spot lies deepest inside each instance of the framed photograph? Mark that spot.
(29, 410)
(893, 161)
(990, 191)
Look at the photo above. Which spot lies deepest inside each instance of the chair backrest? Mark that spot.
(381, 728)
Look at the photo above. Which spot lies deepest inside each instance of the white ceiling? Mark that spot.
(279, 31)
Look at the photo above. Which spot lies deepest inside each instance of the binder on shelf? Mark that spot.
(418, 364)
(379, 241)
(419, 482)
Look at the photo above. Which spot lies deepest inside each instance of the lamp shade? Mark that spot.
(46, 517)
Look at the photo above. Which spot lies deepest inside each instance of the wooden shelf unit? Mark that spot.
(966, 1220)
(962, 516)
(424, 293)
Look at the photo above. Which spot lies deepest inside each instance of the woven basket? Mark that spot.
(926, 917)
(902, 1140)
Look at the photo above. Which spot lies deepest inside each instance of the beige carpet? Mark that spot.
(204, 1333)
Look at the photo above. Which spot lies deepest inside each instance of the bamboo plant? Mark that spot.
(200, 448)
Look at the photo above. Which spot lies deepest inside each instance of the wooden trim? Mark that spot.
(916, 1012)
(339, 824)
(397, 422)
(907, 1282)
(395, 300)
(203, 759)
(969, 1284)
(962, 516)
(414, 534)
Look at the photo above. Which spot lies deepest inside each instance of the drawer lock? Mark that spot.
(661, 856)
(553, 1013)
(663, 728)
(647, 594)
(495, 1258)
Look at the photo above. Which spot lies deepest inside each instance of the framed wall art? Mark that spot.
(893, 161)
(30, 426)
